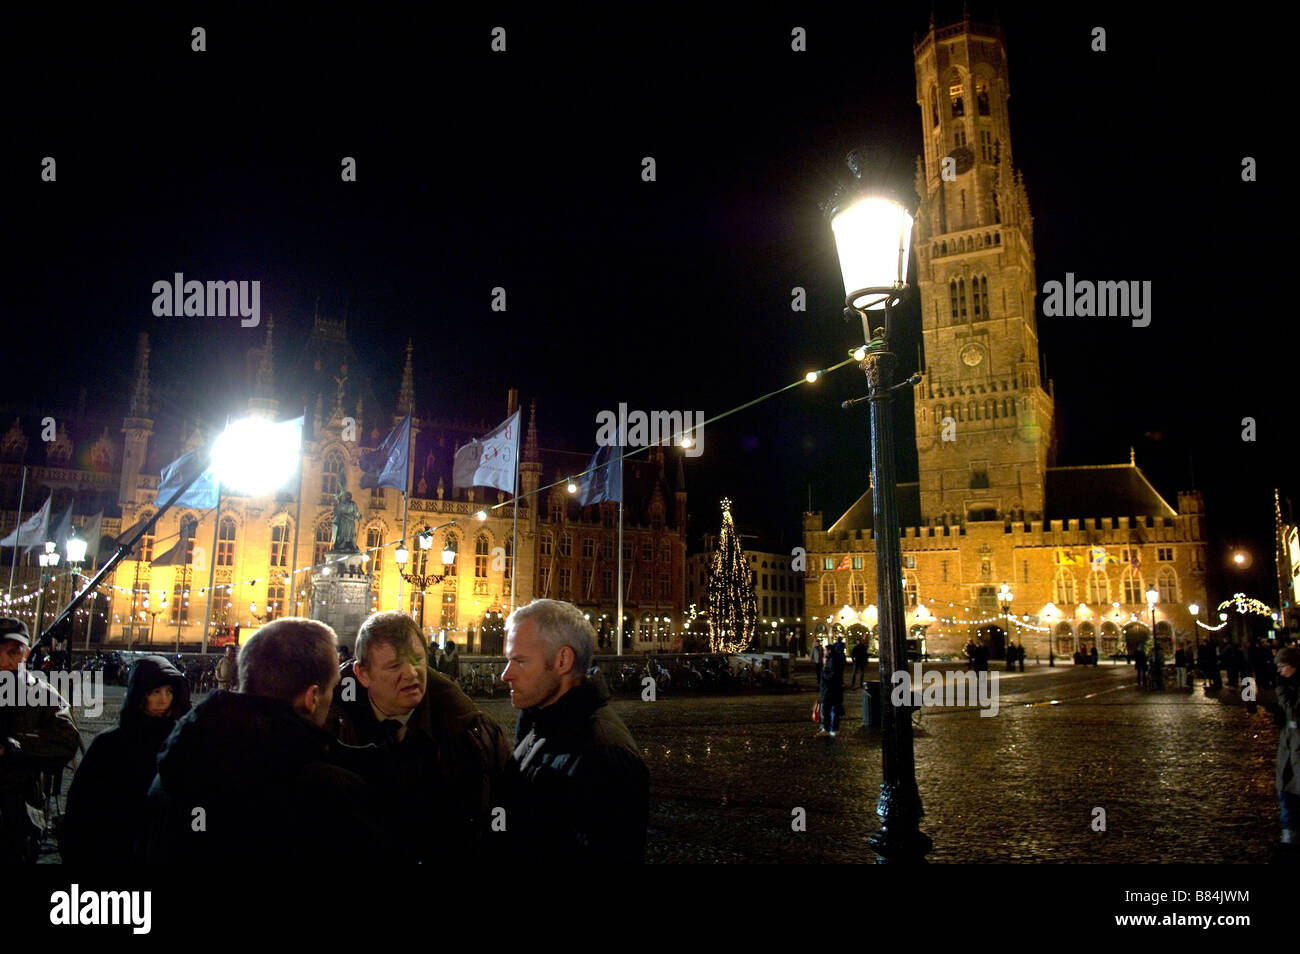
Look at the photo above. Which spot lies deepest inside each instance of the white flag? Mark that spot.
(33, 530)
(92, 531)
(489, 462)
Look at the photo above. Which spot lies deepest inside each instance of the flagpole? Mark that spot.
(514, 540)
(619, 647)
(410, 463)
(297, 520)
(212, 574)
(13, 558)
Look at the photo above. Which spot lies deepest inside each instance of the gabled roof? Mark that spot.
(859, 516)
(1102, 490)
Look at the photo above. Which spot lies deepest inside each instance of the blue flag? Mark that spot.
(202, 493)
(604, 478)
(386, 465)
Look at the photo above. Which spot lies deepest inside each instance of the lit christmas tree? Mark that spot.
(732, 607)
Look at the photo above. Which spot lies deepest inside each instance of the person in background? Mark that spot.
(832, 689)
(106, 801)
(228, 670)
(1287, 775)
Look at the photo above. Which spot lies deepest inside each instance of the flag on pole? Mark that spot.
(604, 478)
(489, 462)
(61, 530)
(844, 564)
(92, 531)
(386, 465)
(34, 528)
(202, 493)
(1066, 557)
(179, 554)
(1099, 557)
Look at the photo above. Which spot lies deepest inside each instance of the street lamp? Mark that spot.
(1156, 661)
(1004, 601)
(260, 617)
(872, 616)
(75, 548)
(1195, 610)
(422, 581)
(50, 558)
(153, 617)
(873, 232)
(1051, 614)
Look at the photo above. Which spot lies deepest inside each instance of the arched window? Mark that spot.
(909, 589)
(1098, 587)
(978, 303)
(481, 557)
(1133, 587)
(828, 590)
(1087, 636)
(146, 542)
(375, 549)
(1064, 638)
(321, 546)
(510, 559)
(274, 601)
(280, 537)
(180, 604)
(449, 542)
(1064, 586)
(1167, 584)
(189, 528)
(981, 96)
(857, 591)
(226, 542)
(981, 292)
(331, 473)
(954, 299)
(1109, 638)
(934, 106)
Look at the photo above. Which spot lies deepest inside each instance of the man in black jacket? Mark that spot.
(251, 776)
(583, 789)
(443, 761)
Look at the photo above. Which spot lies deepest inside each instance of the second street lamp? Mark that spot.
(419, 579)
(1157, 662)
(873, 232)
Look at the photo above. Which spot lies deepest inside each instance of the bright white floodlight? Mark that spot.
(873, 237)
(256, 457)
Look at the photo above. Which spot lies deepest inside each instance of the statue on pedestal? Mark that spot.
(346, 517)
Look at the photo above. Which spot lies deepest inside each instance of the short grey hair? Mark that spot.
(559, 624)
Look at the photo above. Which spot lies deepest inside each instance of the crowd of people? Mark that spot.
(306, 757)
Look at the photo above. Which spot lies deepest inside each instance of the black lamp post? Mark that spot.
(422, 581)
(873, 238)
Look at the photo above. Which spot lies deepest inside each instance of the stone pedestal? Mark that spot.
(340, 595)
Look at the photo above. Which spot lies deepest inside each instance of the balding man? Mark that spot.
(252, 775)
(582, 788)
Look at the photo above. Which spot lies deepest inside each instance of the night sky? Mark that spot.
(523, 170)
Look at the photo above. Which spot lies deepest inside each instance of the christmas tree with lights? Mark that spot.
(732, 606)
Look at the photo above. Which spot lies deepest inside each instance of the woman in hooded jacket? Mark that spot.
(107, 797)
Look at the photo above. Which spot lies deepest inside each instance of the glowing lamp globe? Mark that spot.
(873, 237)
(75, 548)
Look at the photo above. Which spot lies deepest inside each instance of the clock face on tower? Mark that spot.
(971, 355)
(963, 158)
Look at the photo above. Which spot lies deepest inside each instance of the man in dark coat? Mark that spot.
(444, 761)
(582, 789)
(37, 735)
(860, 658)
(1287, 777)
(106, 801)
(832, 689)
(252, 777)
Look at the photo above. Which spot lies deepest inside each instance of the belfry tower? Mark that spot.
(984, 420)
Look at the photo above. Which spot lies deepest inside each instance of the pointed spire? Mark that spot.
(680, 483)
(140, 389)
(266, 365)
(406, 393)
(530, 439)
(1132, 456)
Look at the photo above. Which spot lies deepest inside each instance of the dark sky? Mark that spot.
(522, 170)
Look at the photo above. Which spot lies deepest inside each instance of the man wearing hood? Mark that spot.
(252, 776)
(37, 735)
(583, 789)
(106, 801)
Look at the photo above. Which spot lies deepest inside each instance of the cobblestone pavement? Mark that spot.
(1182, 777)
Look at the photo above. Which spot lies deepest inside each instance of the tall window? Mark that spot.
(280, 544)
(954, 299)
(375, 546)
(1098, 587)
(510, 559)
(857, 593)
(324, 533)
(146, 542)
(180, 605)
(566, 545)
(982, 96)
(588, 547)
(226, 542)
(331, 473)
(909, 589)
(607, 548)
(955, 99)
(1132, 587)
(1167, 584)
(189, 529)
(606, 584)
(1064, 588)
(481, 557)
(450, 541)
(934, 106)
(448, 621)
(828, 590)
(566, 581)
(665, 553)
(665, 587)
(274, 601)
(548, 543)
(647, 584)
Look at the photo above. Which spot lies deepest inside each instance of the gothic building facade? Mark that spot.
(252, 559)
(1078, 547)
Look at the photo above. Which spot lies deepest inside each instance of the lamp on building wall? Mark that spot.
(873, 231)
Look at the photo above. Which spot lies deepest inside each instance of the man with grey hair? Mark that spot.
(253, 776)
(442, 760)
(582, 789)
